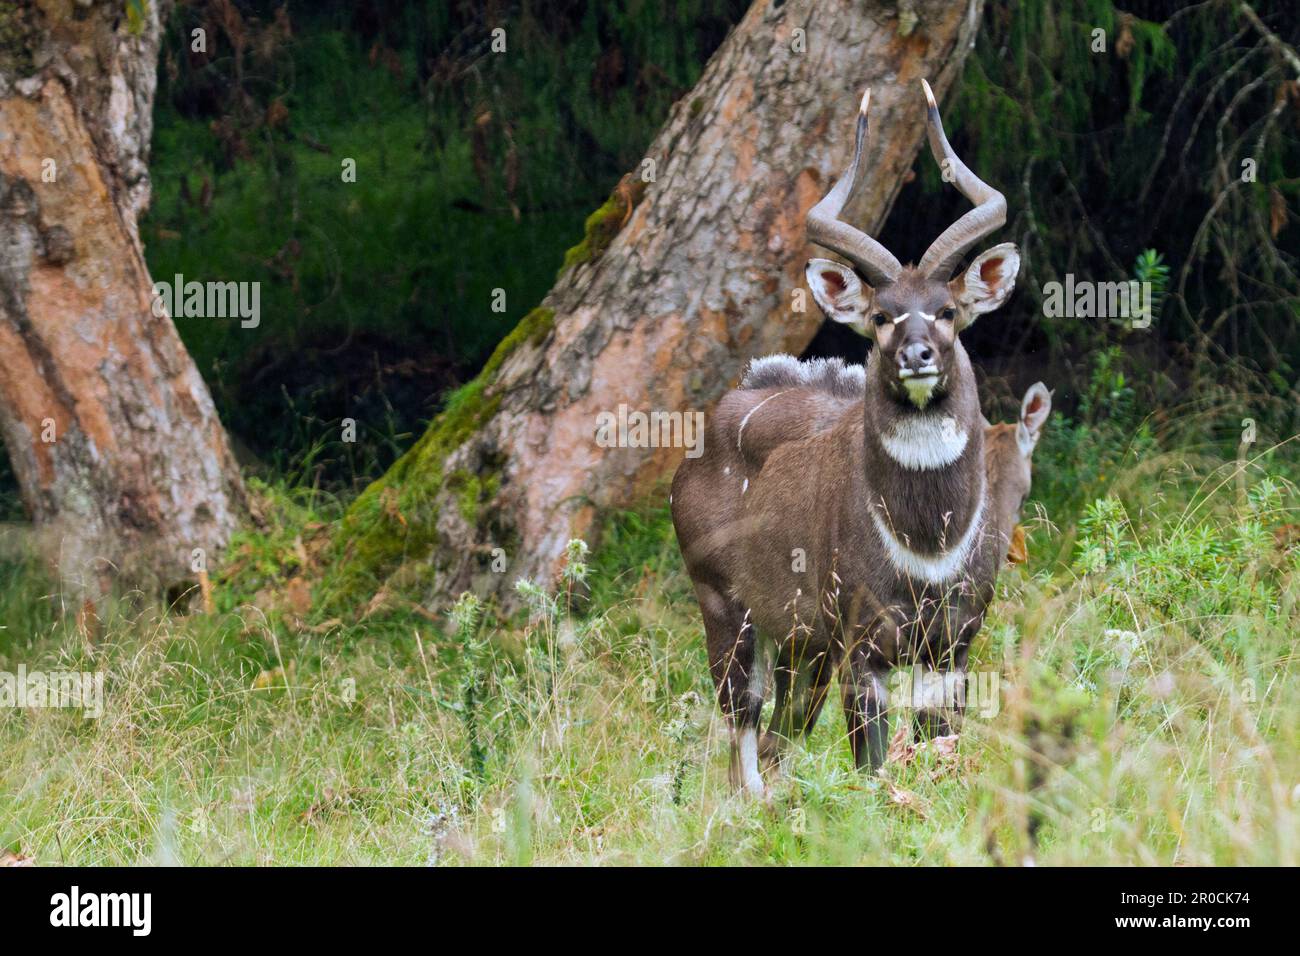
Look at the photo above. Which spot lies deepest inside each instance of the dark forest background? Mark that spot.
(476, 171)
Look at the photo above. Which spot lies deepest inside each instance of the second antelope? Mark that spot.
(841, 516)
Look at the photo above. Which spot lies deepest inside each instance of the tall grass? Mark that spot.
(1149, 714)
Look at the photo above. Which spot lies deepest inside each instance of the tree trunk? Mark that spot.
(111, 432)
(678, 283)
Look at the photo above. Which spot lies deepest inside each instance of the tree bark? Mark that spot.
(678, 283)
(112, 434)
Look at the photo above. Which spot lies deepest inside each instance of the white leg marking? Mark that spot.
(749, 775)
(747, 739)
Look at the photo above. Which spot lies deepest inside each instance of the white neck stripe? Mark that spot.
(935, 569)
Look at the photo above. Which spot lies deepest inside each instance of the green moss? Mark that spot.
(603, 225)
(136, 12)
(395, 518)
(598, 232)
(472, 491)
(532, 328)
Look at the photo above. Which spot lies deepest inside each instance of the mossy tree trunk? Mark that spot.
(678, 283)
(111, 432)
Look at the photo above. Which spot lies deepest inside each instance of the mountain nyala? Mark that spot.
(841, 518)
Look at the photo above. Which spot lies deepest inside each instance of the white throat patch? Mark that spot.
(937, 568)
(924, 442)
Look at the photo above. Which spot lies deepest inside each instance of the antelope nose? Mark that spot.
(915, 356)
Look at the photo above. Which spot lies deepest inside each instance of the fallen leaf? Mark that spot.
(907, 800)
(277, 113)
(1017, 553)
(1277, 211)
(1125, 42)
(388, 500)
(1288, 90)
(298, 593)
(13, 858)
(331, 801)
(88, 622)
(901, 748)
(379, 600)
(945, 746)
(205, 589)
(272, 677)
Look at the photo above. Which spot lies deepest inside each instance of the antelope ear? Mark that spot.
(1033, 415)
(988, 281)
(840, 293)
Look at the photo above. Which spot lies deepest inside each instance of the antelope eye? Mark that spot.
(948, 314)
(879, 318)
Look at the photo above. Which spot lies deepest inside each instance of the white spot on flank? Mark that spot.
(936, 569)
(924, 442)
(740, 432)
(744, 487)
(726, 470)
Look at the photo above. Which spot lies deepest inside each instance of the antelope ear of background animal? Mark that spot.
(840, 293)
(1034, 409)
(988, 281)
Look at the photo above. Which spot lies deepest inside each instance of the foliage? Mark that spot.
(1148, 714)
(1139, 145)
(474, 171)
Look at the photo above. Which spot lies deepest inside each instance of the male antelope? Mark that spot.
(841, 513)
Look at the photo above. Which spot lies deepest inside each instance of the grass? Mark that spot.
(1149, 714)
